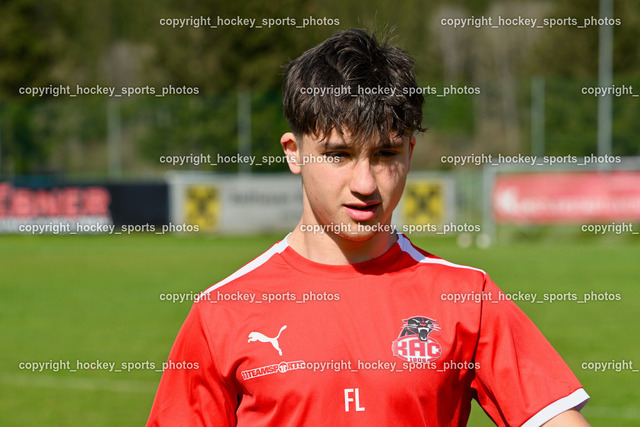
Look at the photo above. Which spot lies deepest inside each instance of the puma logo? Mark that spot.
(257, 336)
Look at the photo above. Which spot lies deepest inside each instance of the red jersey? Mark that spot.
(287, 341)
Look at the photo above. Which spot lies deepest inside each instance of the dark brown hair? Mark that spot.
(346, 65)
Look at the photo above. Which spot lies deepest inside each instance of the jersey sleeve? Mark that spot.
(191, 390)
(520, 378)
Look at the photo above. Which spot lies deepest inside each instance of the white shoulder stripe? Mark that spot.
(275, 249)
(407, 247)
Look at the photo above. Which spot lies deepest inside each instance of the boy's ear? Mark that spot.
(291, 147)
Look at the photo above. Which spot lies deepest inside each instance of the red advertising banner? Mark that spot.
(68, 202)
(566, 197)
(52, 209)
(61, 208)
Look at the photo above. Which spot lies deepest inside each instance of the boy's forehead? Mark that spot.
(337, 139)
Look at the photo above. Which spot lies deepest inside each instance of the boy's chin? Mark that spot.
(358, 236)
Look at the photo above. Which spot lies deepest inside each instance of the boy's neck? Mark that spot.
(330, 248)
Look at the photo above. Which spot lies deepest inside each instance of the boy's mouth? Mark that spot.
(362, 211)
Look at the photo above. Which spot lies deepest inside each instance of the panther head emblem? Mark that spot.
(420, 326)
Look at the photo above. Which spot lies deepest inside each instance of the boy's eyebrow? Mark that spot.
(341, 145)
(392, 143)
(335, 145)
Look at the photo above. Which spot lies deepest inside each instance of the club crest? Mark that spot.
(414, 343)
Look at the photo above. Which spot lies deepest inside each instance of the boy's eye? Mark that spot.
(387, 153)
(337, 154)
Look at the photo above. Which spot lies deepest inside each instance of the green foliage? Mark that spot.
(571, 52)
(122, 44)
(570, 117)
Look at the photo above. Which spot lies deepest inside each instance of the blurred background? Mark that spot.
(139, 158)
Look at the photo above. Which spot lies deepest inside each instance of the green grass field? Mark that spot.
(93, 298)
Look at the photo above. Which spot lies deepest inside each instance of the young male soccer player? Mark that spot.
(345, 322)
